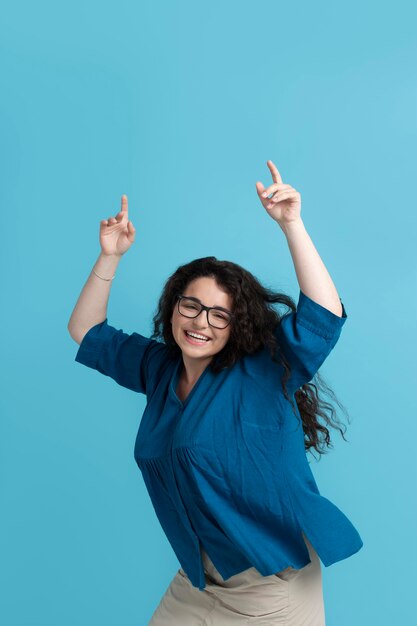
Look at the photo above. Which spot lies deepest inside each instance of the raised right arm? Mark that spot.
(116, 236)
(91, 306)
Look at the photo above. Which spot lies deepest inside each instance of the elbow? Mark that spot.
(76, 334)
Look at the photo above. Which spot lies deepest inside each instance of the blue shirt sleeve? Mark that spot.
(131, 360)
(306, 337)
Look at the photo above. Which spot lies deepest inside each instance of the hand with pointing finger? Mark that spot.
(117, 233)
(285, 204)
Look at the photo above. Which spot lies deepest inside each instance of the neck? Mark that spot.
(193, 368)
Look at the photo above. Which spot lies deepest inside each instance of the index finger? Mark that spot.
(124, 203)
(276, 176)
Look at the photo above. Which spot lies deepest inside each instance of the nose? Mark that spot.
(201, 321)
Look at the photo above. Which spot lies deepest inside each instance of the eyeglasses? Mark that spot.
(216, 316)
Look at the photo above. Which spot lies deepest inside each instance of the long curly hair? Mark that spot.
(251, 330)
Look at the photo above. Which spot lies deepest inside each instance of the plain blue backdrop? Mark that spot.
(179, 105)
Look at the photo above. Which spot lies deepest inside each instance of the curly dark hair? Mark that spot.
(253, 329)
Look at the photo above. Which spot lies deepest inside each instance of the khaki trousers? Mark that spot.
(289, 598)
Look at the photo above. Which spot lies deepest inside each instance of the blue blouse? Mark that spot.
(227, 468)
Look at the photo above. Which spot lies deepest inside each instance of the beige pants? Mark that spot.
(290, 598)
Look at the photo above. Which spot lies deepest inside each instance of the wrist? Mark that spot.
(293, 227)
(110, 256)
(106, 265)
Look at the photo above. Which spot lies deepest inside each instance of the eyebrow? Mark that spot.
(215, 307)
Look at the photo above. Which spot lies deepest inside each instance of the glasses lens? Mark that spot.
(219, 319)
(191, 308)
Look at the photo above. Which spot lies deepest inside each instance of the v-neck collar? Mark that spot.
(175, 380)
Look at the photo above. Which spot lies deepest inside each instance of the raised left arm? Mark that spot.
(312, 275)
(284, 207)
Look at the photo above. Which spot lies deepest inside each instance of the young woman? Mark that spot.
(230, 415)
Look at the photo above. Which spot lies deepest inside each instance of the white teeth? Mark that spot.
(196, 336)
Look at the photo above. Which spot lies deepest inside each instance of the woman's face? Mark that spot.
(208, 293)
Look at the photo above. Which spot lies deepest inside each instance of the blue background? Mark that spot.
(179, 105)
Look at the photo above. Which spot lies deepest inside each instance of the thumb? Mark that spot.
(131, 230)
(259, 188)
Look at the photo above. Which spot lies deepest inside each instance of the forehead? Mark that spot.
(208, 292)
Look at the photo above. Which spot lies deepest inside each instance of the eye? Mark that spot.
(220, 316)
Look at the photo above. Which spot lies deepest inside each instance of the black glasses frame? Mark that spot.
(204, 308)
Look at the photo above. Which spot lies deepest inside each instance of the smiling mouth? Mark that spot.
(194, 340)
